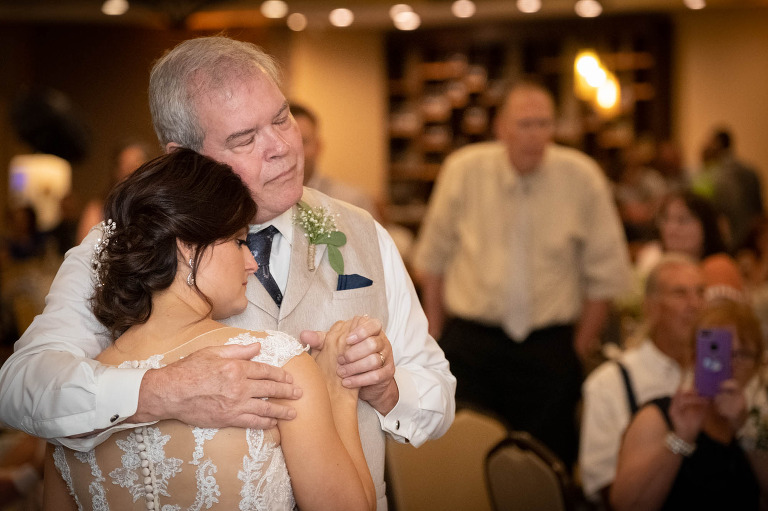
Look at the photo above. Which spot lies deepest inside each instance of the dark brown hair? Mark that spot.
(181, 196)
(705, 213)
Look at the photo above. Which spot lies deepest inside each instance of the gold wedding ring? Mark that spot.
(383, 360)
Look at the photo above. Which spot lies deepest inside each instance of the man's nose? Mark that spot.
(276, 144)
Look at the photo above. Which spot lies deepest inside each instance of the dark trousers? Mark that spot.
(534, 385)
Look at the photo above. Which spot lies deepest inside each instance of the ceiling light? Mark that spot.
(296, 22)
(695, 4)
(114, 7)
(407, 20)
(588, 8)
(589, 74)
(463, 8)
(341, 17)
(274, 9)
(397, 9)
(529, 6)
(608, 93)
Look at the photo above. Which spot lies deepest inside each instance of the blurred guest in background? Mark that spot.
(25, 274)
(127, 157)
(733, 186)
(519, 256)
(668, 161)
(64, 236)
(24, 241)
(674, 295)
(639, 192)
(689, 224)
(752, 258)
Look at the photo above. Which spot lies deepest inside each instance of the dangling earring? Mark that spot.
(191, 276)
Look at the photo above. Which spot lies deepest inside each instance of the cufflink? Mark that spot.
(114, 418)
(397, 425)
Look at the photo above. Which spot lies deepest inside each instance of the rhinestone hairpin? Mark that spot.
(107, 230)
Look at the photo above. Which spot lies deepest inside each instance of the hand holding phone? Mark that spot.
(713, 360)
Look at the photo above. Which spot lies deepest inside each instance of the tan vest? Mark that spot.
(311, 302)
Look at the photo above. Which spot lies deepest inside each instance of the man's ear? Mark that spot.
(171, 146)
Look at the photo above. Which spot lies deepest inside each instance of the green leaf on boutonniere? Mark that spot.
(335, 239)
(336, 260)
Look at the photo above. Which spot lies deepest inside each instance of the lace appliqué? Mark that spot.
(208, 489)
(152, 362)
(60, 462)
(262, 486)
(146, 470)
(96, 489)
(277, 348)
(263, 489)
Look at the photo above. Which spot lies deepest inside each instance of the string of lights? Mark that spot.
(402, 15)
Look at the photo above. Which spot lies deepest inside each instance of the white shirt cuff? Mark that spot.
(117, 398)
(398, 422)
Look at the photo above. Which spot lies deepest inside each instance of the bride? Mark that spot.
(171, 262)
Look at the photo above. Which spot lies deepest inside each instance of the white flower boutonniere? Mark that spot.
(320, 229)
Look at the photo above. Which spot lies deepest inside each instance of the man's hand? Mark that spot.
(217, 387)
(366, 364)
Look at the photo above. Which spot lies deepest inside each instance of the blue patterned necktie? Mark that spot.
(260, 244)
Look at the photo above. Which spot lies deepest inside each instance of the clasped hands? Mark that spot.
(220, 386)
(367, 363)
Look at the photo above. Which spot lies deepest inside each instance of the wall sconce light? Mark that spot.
(595, 84)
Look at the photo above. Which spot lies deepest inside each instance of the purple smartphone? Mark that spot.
(713, 360)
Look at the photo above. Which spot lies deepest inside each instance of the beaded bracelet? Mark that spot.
(679, 446)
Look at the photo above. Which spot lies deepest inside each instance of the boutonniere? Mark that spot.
(320, 229)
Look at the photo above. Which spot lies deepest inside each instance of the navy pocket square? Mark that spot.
(353, 281)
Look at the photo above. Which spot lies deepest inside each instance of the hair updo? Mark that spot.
(181, 196)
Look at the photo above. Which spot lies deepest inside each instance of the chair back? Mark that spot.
(447, 473)
(523, 474)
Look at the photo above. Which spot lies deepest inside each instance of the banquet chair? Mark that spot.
(523, 474)
(446, 473)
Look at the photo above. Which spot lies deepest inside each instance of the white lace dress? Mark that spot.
(170, 466)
